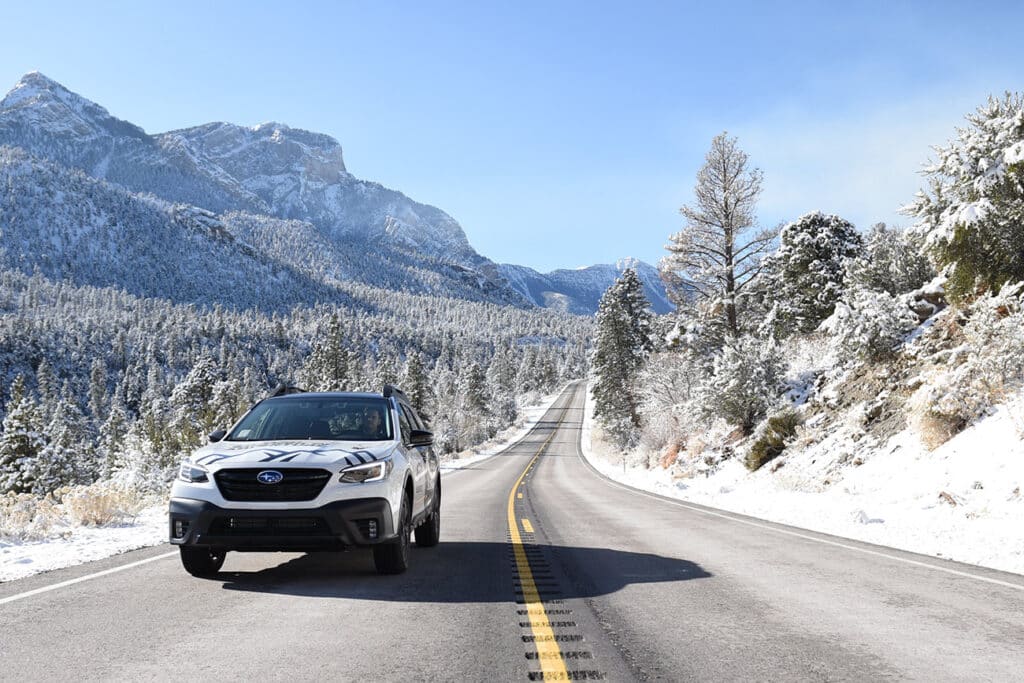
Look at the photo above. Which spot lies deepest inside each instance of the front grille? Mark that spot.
(297, 484)
(269, 526)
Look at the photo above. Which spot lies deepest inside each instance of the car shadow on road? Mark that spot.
(458, 572)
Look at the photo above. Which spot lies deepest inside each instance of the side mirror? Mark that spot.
(419, 437)
(217, 435)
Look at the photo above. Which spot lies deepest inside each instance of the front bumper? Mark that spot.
(335, 526)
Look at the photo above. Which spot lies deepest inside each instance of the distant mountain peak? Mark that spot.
(35, 84)
(50, 105)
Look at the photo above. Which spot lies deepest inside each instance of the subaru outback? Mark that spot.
(304, 471)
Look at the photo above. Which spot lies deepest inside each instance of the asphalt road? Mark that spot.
(576, 578)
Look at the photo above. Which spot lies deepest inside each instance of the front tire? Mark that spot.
(428, 534)
(393, 557)
(201, 561)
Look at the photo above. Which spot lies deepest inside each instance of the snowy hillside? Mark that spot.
(269, 170)
(961, 501)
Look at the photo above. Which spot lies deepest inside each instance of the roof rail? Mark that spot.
(284, 390)
(390, 391)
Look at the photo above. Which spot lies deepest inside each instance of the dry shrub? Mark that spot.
(934, 428)
(101, 503)
(24, 517)
(669, 457)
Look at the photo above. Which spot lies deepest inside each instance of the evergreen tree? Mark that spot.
(21, 442)
(719, 252)
(972, 215)
(415, 383)
(68, 457)
(329, 367)
(191, 401)
(473, 405)
(98, 390)
(112, 438)
(622, 346)
(893, 262)
(805, 277)
(47, 383)
(746, 379)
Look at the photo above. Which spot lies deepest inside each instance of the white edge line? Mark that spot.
(80, 579)
(723, 515)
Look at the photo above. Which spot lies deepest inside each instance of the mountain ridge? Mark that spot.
(284, 174)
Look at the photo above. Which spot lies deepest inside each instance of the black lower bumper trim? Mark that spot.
(334, 526)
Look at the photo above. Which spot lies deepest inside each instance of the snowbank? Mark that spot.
(962, 501)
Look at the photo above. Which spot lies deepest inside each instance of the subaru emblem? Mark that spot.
(269, 477)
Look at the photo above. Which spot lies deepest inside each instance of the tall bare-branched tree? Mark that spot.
(720, 250)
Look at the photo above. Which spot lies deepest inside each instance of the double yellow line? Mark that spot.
(548, 653)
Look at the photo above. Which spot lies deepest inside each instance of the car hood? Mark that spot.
(294, 453)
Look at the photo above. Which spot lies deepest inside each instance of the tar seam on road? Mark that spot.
(548, 653)
(723, 515)
(80, 579)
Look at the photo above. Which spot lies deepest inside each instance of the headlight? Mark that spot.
(361, 474)
(192, 473)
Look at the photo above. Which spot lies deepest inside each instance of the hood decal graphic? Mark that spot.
(336, 455)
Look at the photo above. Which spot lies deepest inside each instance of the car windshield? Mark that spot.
(317, 418)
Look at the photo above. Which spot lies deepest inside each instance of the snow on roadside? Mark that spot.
(962, 501)
(84, 544)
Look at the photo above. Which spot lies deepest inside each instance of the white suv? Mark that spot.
(305, 471)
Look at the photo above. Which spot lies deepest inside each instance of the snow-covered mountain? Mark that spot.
(285, 193)
(580, 290)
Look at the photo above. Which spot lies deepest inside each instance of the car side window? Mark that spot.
(410, 414)
(403, 423)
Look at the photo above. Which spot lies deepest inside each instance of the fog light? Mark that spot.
(371, 529)
(180, 528)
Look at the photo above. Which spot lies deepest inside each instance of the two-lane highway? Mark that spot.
(546, 570)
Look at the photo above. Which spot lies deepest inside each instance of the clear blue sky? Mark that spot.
(557, 133)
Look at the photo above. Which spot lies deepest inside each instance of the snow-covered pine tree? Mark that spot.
(193, 411)
(716, 255)
(893, 262)
(328, 367)
(746, 379)
(69, 456)
(21, 442)
(622, 346)
(112, 437)
(473, 414)
(415, 383)
(868, 325)
(98, 389)
(972, 214)
(806, 275)
(501, 378)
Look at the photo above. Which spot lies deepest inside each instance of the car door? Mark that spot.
(433, 464)
(417, 461)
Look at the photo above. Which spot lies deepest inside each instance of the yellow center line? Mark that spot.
(548, 653)
(527, 527)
